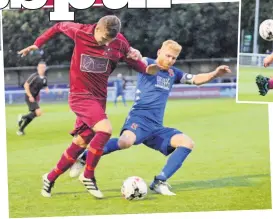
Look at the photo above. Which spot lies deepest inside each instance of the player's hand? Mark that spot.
(221, 70)
(47, 90)
(268, 60)
(31, 99)
(27, 50)
(134, 54)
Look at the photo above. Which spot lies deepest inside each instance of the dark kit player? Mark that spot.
(98, 48)
(33, 85)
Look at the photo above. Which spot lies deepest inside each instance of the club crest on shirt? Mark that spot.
(134, 126)
(171, 72)
(93, 64)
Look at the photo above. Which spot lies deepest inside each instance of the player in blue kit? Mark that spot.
(144, 123)
(119, 84)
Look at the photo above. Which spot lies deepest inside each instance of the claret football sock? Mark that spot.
(174, 162)
(111, 146)
(95, 151)
(68, 158)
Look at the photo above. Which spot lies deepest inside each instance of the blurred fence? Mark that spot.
(181, 91)
(251, 59)
(59, 74)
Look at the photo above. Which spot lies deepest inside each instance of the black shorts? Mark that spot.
(32, 106)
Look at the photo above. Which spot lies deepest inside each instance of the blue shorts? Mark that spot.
(153, 136)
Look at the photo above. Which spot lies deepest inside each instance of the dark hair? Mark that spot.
(42, 62)
(112, 24)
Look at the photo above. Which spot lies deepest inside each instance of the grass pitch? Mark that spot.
(229, 168)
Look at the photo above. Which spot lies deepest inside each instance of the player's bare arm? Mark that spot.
(151, 69)
(268, 60)
(27, 50)
(134, 54)
(203, 78)
(67, 28)
(26, 86)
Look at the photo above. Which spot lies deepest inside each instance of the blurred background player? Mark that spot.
(33, 85)
(264, 83)
(120, 84)
(98, 48)
(144, 123)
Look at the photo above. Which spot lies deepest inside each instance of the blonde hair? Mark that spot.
(173, 45)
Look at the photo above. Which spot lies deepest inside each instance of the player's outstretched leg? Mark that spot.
(67, 159)
(263, 84)
(125, 141)
(111, 146)
(183, 146)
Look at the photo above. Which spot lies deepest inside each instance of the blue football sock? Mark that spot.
(174, 162)
(111, 146)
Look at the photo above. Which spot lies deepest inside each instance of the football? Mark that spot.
(266, 30)
(134, 188)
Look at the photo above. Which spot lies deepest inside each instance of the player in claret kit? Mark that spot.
(144, 123)
(264, 83)
(98, 48)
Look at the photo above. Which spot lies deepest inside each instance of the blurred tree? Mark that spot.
(204, 30)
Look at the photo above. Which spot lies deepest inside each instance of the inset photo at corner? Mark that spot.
(255, 75)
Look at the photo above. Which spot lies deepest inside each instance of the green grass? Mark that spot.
(247, 89)
(229, 168)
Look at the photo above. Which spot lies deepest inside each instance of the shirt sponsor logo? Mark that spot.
(93, 64)
(164, 83)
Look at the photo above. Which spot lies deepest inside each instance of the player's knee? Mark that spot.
(182, 140)
(103, 126)
(107, 129)
(38, 112)
(190, 144)
(126, 140)
(78, 140)
(124, 143)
